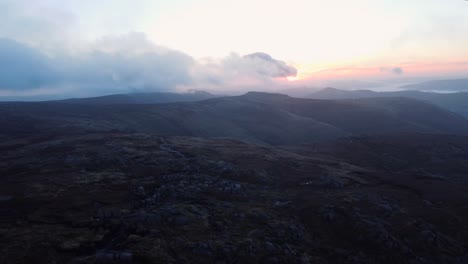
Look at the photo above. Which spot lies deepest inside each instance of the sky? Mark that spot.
(74, 48)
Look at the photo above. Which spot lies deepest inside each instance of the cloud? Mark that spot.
(123, 69)
(49, 47)
(396, 70)
(236, 73)
(130, 63)
(120, 72)
(264, 64)
(24, 68)
(46, 23)
(130, 43)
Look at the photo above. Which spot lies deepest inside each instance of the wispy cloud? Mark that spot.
(395, 70)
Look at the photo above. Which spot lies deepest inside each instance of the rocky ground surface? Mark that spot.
(134, 198)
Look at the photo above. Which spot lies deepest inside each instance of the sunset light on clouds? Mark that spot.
(204, 43)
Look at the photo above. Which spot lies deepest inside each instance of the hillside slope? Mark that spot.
(256, 117)
(141, 98)
(455, 102)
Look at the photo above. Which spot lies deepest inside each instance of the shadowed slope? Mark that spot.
(256, 117)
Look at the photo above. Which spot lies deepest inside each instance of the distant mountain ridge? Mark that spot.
(142, 98)
(263, 118)
(455, 102)
(455, 85)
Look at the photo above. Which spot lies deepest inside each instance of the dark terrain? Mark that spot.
(191, 200)
(379, 180)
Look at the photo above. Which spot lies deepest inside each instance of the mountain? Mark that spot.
(456, 85)
(256, 117)
(369, 180)
(141, 98)
(455, 102)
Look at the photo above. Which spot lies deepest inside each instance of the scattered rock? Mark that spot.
(107, 257)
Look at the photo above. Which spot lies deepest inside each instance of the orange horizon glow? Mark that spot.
(310, 71)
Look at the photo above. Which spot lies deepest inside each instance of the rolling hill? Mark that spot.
(455, 102)
(256, 117)
(141, 98)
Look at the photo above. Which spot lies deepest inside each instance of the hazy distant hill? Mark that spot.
(455, 102)
(456, 85)
(256, 117)
(142, 98)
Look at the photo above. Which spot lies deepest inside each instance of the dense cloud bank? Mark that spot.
(45, 51)
(25, 68)
(129, 63)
